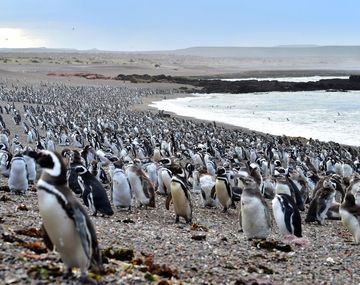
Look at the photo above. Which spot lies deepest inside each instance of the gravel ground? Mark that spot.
(222, 256)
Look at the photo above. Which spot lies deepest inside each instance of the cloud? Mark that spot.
(19, 38)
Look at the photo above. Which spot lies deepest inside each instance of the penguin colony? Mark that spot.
(139, 155)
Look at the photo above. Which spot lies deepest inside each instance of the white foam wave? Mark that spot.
(327, 116)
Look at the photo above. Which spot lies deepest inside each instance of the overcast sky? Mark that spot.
(130, 25)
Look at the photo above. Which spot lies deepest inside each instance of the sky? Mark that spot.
(138, 25)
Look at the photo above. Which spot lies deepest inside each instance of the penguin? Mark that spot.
(67, 226)
(151, 171)
(254, 214)
(5, 160)
(96, 170)
(164, 181)
(350, 216)
(120, 190)
(321, 203)
(207, 183)
(72, 176)
(50, 145)
(141, 185)
(285, 185)
(222, 190)
(93, 193)
(31, 169)
(287, 215)
(180, 196)
(18, 176)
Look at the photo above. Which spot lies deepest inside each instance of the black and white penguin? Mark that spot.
(254, 216)
(65, 221)
(222, 190)
(93, 193)
(73, 160)
(121, 191)
(350, 216)
(180, 196)
(287, 215)
(285, 185)
(321, 203)
(96, 169)
(141, 185)
(5, 160)
(18, 176)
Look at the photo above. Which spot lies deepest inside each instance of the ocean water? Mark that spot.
(289, 79)
(327, 116)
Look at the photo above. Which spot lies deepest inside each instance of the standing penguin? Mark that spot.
(350, 216)
(180, 196)
(65, 221)
(31, 168)
(254, 213)
(18, 177)
(142, 186)
(121, 191)
(207, 184)
(93, 193)
(74, 159)
(222, 190)
(287, 215)
(321, 203)
(164, 181)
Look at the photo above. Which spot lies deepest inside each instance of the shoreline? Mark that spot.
(145, 106)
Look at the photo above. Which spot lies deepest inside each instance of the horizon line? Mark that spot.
(294, 46)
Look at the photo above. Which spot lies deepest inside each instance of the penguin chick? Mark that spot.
(180, 196)
(93, 193)
(141, 185)
(207, 184)
(65, 221)
(287, 215)
(121, 191)
(254, 213)
(222, 190)
(350, 216)
(321, 203)
(164, 181)
(31, 169)
(18, 176)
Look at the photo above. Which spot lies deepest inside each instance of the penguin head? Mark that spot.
(50, 162)
(221, 171)
(118, 164)
(80, 169)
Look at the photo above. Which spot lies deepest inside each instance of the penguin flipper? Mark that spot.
(288, 209)
(46, 238)
(213, 193)
(168, 201)
(229, 191)
(298, 199)
(80, 224)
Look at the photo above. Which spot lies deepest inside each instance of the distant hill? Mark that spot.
(237, 52)
(279, 51)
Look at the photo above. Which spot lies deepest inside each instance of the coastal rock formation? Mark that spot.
(247, 86)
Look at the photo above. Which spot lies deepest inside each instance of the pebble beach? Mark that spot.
(210, 250)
